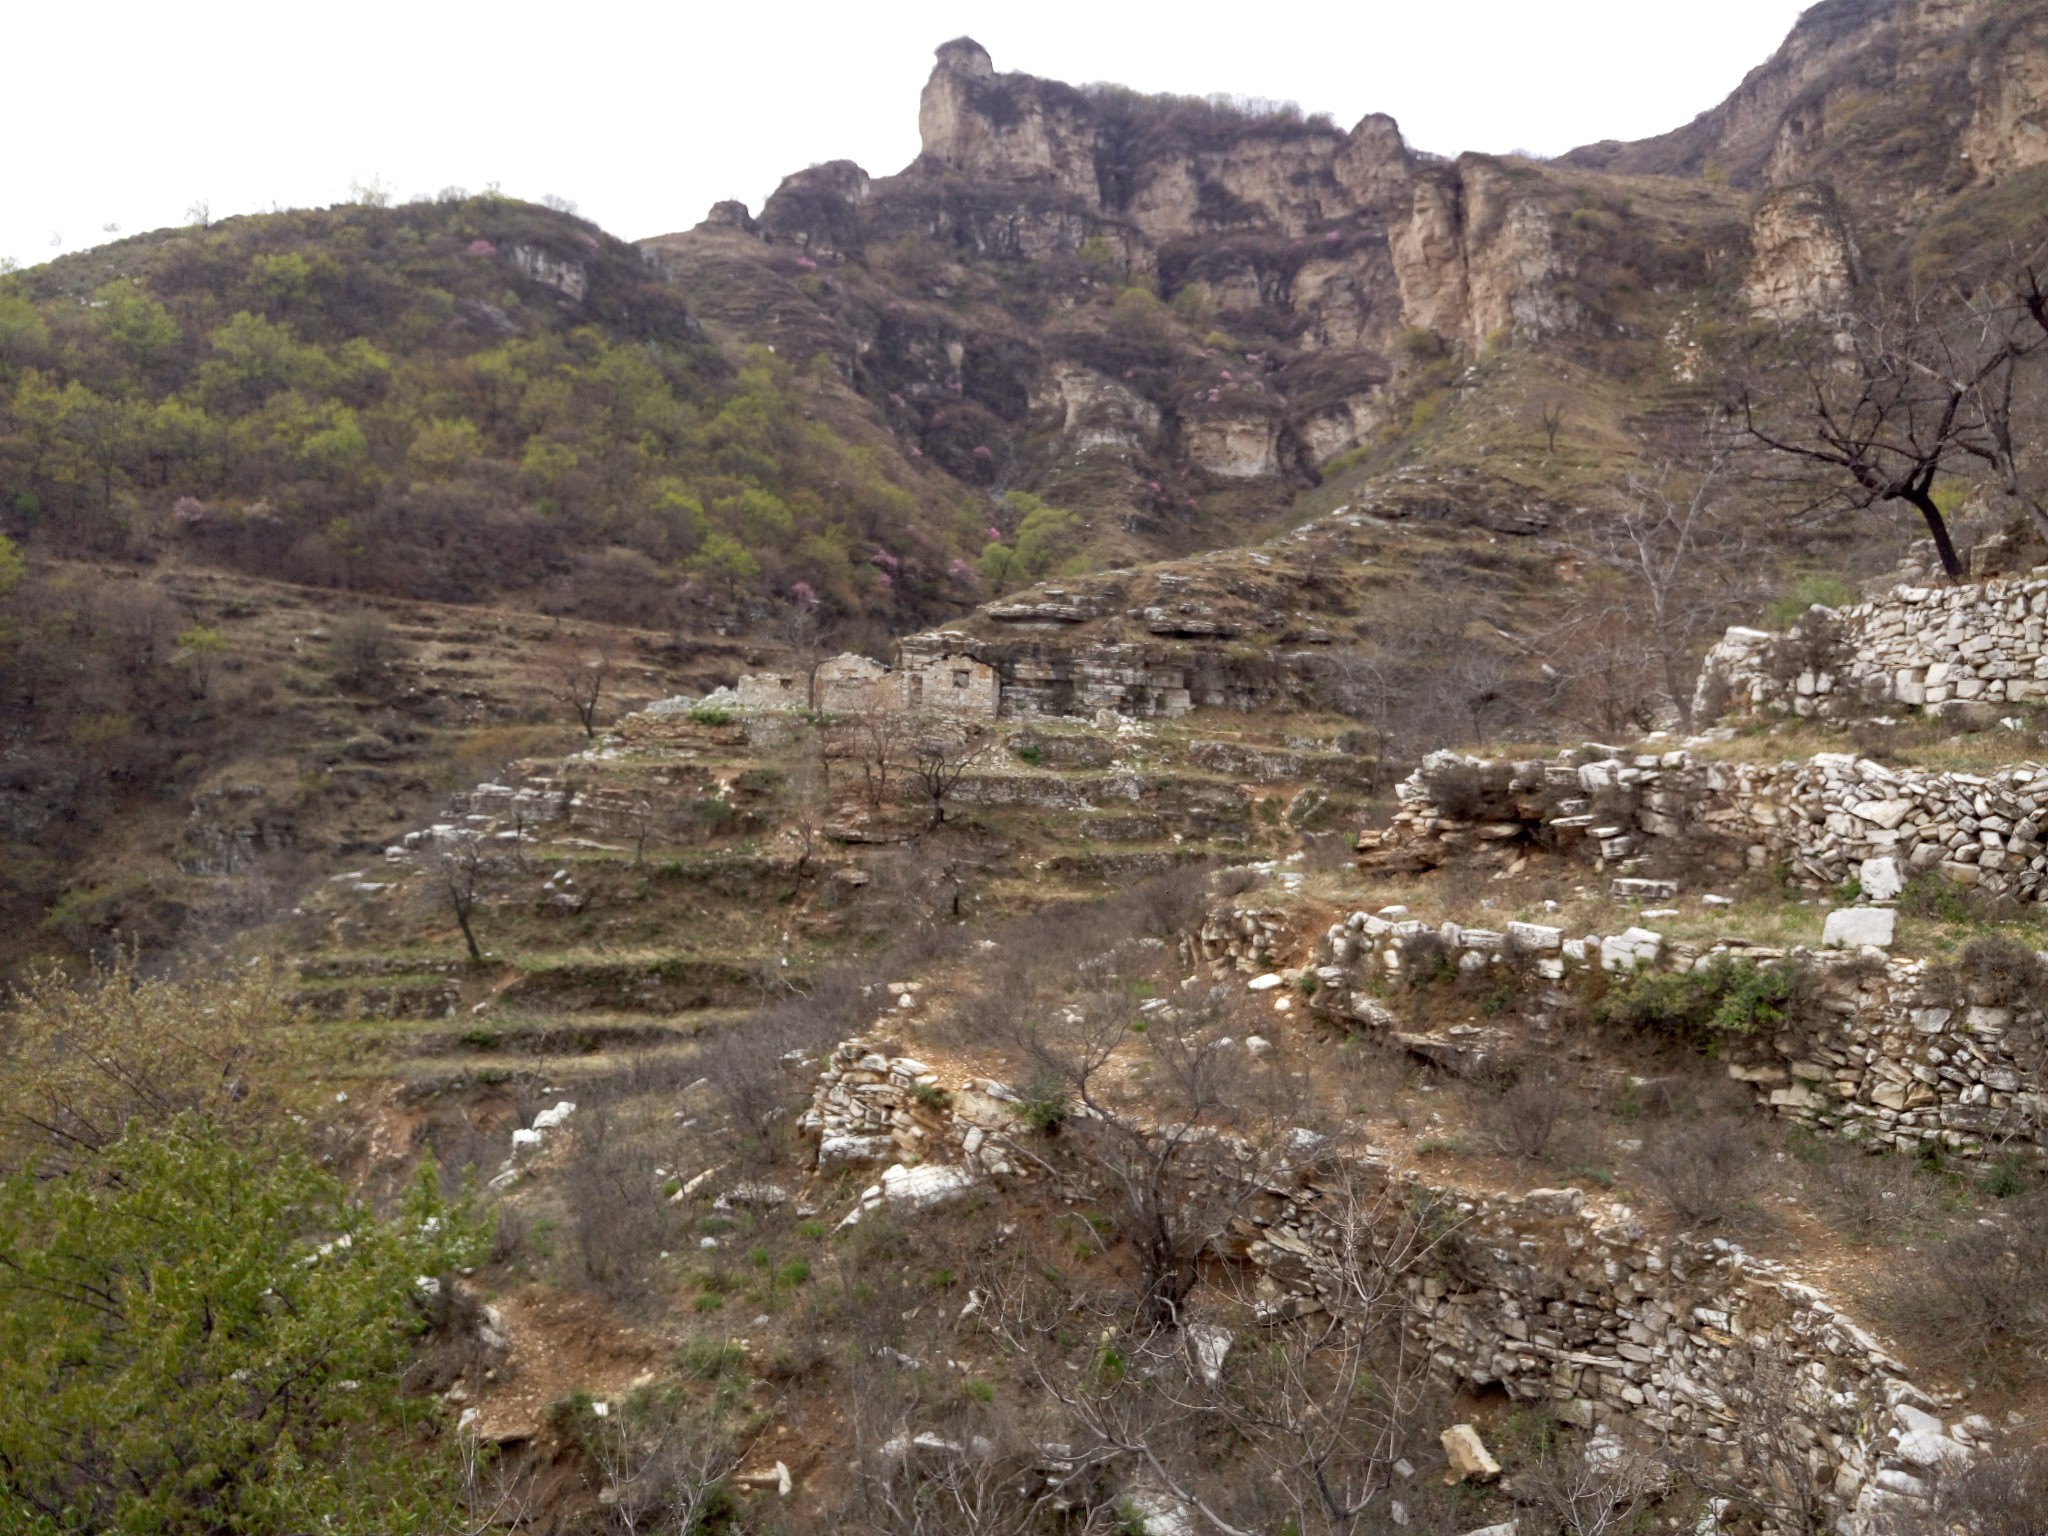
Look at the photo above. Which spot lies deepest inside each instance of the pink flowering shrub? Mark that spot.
(480, 248)
(188, 510)
(805, 594)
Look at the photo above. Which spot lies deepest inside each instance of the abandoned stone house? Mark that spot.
(949, 685)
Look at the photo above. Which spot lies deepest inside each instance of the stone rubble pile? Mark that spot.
(1968, 652)
(873, 1107)
(1241, 938)
(1826, 818)
(1874, 1048)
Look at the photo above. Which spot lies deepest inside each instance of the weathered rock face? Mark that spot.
(2008, 132)
(1095, 411)
(1804, 262)
(1477, 257)
(974, 122)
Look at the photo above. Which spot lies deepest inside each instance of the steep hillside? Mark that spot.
(457, 401)
(1925, 115)
(1171, 316)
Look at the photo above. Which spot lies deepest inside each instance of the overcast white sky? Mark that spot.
(645, 113)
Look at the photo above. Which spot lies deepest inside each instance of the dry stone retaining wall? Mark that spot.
(1543, 1296)
(1824, 818)
(1956, 649)
(1875, 1050)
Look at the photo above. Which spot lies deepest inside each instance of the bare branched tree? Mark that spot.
(876, 738)
(1303, 1422)
(943, 754)
(1549, 411)
(1332, 1400)
(1172, 1146)
(1767, 1466)
(1912, 387)
(461, 860)
(1590, 1489)
(1664, 575)
(579, 680)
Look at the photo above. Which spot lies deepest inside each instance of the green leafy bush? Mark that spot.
(199, 1336)
(1731, 998)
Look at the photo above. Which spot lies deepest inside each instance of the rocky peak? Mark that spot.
(818, 209)
(974, 122)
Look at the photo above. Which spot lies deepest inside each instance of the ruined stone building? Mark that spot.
(949, 684)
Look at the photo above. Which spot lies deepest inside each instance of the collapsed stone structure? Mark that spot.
(934, 681)
(1824, 819)
(1966, 652)
(1545, 1296)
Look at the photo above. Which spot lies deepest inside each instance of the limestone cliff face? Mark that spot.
(1478, 257)
(1902, 104)
(1804, 262)
(2008, 131)
(1117, 157)
(1761, 131)
(974, 122)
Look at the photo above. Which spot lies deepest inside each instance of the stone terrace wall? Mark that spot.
(1555, 1301)
(1541, 1295)
(1966, 650)
(1825, 818)
(1874, 1051)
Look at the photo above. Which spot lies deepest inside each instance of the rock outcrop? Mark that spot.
(1804, 263)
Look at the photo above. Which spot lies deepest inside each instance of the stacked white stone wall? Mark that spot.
(1557, 1301)
(1876, 1050)
(1823, 818)
(1928, 647)
(1550, 1299)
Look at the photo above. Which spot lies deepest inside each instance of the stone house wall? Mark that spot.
(947, 683)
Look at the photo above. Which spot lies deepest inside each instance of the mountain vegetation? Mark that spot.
(1281, 981)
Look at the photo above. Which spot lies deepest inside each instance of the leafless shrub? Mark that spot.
(362, 646)
(1984, 1291)
(1704, 1169)
(2002, 1493)
(1522, 1120)
(1168, 905)
(1874, 1196)
(618, 1215)
(1588, 1489)
(663, 1459)
(763, 1065)
(1178, 1137)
